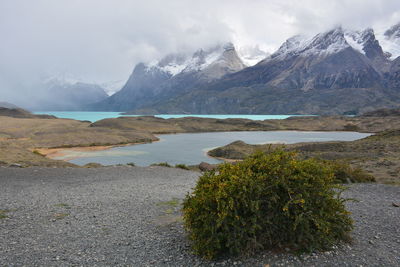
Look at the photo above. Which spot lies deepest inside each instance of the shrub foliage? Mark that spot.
(182, 166)
(270, 200)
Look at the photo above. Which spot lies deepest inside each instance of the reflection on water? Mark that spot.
(191, 149)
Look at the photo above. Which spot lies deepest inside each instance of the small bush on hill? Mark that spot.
(162, 164)
(344, 173)
(182, 166)
(273, 200)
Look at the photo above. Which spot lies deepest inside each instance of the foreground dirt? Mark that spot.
(130, 216)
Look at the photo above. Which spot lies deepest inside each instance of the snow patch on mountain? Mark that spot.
(355, 39)
(175, 64)
(173, 68)
(390, 41)
(251, 55)
(60, 79)
(111, 87)
(390, 46)
(291, 47)
(171, 64)
(334, 41)
(322, 44)
(202, 59)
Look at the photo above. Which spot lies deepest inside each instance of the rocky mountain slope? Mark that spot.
(336, 72)
(172, 76)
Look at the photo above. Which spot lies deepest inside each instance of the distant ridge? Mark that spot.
(56, 94)
(382, 113)
(7, 105)
(21, 113)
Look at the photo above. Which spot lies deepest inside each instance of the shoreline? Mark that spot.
(61, 153)
(54, 153)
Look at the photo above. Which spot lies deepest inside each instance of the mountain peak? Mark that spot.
(175, 64)
(366, 43)
(362, 40)
(328, 42)
(325, 43)
(228, 62)
(228, 46)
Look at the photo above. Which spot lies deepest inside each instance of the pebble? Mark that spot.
(114, 219)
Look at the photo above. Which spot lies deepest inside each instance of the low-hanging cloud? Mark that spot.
(101, 40)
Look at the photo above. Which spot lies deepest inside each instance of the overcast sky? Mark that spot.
(102, 40)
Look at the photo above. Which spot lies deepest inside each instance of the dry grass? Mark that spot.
(21, 137)
(185, 125)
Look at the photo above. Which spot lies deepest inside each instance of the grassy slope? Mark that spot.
(20, 136)
(184, 125)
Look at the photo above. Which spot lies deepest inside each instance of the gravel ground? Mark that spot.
(128, 216)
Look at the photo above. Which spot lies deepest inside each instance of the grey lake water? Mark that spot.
(191, 148)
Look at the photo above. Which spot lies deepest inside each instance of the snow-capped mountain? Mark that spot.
(174, 74)
(334, 72)
(323, 44)
(58, 94)
(322, 61)
(200, 61)
(331, 42)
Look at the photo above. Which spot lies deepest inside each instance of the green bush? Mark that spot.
(182, 166)
(266, 201)
(344, 173)
(162, 164)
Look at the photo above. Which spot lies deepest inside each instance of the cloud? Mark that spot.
(101, 40)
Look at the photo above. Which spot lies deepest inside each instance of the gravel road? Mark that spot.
(129, 216)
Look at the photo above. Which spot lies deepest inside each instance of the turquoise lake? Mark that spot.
(95, 116)
(191, 148)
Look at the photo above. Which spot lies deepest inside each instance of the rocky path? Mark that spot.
(129, 216)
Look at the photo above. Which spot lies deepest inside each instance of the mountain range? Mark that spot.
(56, 94)
(335, 72)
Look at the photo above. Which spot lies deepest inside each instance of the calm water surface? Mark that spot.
(95, 116)
(191, 149)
